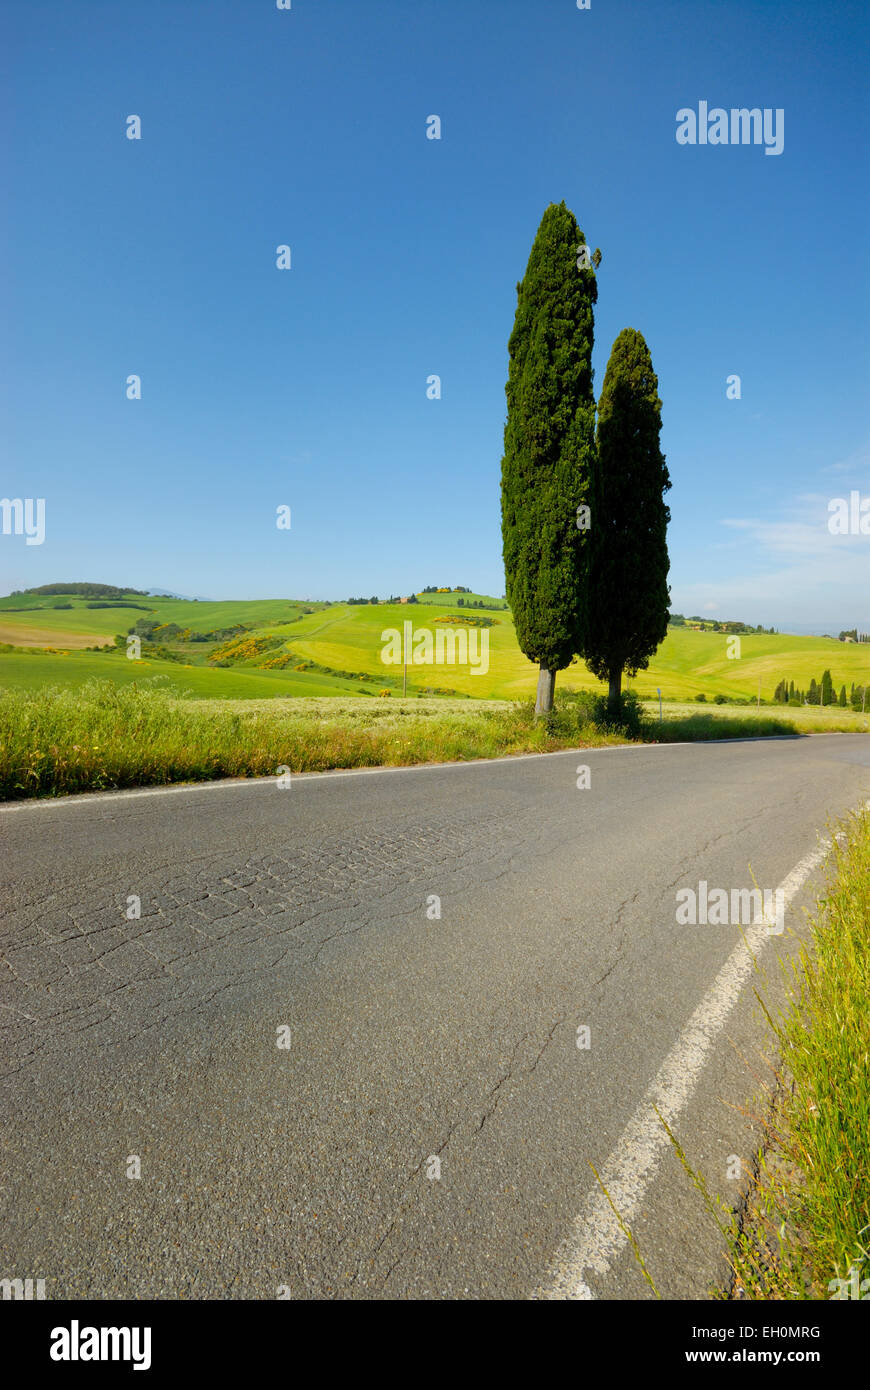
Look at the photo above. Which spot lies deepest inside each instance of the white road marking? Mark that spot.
(596, 1237)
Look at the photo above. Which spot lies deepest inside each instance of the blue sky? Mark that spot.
(307, 387)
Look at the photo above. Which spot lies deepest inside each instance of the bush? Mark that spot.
(625, 716)
(574, 709)
(701, 699)
(720, 699)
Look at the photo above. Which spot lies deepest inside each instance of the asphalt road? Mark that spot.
(308, 1170)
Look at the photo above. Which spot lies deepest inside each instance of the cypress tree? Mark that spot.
(549, 439)
(827, 689)
(625, 614)
(843, 701)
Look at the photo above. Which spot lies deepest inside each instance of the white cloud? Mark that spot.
(793, 574)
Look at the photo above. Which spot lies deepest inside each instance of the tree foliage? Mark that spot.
(549, 440)
(625, 614)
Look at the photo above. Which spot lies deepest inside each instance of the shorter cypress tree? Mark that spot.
(626, 600)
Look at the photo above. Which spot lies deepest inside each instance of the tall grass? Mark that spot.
(58, 741)
(102, 735)
(808, 1220)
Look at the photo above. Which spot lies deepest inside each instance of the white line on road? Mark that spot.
(596, 1237)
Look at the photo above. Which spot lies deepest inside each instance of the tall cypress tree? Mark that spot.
(627, 596)
(549, 440)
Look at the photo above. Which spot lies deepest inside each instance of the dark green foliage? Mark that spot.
(119, 603)
(576, 709)
(626, 604)
(625, 715)
(549, 440)
(827, 690)
(84, 590)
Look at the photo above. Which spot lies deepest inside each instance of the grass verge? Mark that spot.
(106, 736)
(805, 1230)
(102, 735)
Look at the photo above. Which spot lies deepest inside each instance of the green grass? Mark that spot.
(809, 1209)
(105, 734)
(808, 719)
(109, 736)
(347, 638)
(35, 672)
(202, 617)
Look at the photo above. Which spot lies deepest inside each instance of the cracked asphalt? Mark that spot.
(307, 1171)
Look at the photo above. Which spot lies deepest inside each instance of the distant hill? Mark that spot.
(81, 588)
(266, 647)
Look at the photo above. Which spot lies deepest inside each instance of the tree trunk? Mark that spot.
(546, 686)
(615, 690)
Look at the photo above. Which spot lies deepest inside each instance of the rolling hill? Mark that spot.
(340, 646)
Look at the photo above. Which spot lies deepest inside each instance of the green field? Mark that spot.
(345, 642)
(454, 594)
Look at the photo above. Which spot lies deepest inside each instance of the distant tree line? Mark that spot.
(677, 620)
(479, 603)
(111, 603)
(822, 693)
(83, 590)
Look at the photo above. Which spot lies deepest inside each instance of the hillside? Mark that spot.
(340, 646)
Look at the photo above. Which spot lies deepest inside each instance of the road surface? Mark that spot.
(427, 1128)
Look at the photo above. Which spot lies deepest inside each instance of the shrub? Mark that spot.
(578, 708)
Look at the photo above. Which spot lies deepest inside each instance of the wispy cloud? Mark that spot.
(792, 572)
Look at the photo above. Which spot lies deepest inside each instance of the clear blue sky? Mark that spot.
(308, 387)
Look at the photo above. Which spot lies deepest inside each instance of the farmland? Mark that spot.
(339, 646)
